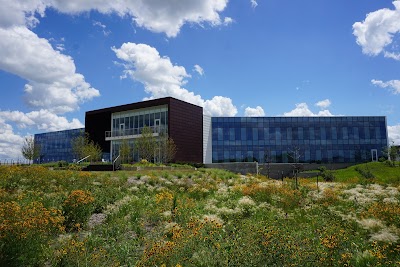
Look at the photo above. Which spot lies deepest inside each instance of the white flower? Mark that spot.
(167, 214)
(370, 223)
(385, 236)
(213, 218)
(169, 226)
(133, 189)
(246, 202)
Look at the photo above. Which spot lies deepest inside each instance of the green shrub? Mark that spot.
(327, 175)
(390, 163)
(75, 167)
(77, 209)
(62, 163)
(25, 230)
(366, 173)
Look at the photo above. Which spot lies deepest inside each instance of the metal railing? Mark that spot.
(133, 131)
(116, 163)
(15, 162)
(79, 161)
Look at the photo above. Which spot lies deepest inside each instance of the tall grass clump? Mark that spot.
(77, 209)
(26, 229)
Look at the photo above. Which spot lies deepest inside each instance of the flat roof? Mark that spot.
(138, 105)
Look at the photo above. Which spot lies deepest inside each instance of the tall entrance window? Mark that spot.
(157, 123)
(374, 154)
(122, 129)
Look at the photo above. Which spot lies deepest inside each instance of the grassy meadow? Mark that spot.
(200, 217)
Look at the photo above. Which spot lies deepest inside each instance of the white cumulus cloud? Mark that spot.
(52, 79)
(165, 16)
(10, 142)
(52, 87)
(393, 55)
(21, 12)
(17, 117)
(376, 32)
(49, 122)
(219, 106)
(199, 69)
(42, 119)
(393, 86)
(161, 78)
(162, 16)
(102, 27)
(302, 110)
(254, 112)
(228, 21)
(323, 103)
(394, 134)
(254, 3)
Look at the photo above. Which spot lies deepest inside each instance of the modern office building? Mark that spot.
(201, 138)
(56, 146)
(180, 120)
(298, 139)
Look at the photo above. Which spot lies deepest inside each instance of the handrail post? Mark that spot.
(115, 161)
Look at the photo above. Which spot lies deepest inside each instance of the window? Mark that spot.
(278, 134)
(289, 133)
(334, 133)
(243, 134)
(300, 133)
(141, 121)
(345, 133)
(255, 134)
(323, 133)
(219, 134)
(312, 134)
(231, 134)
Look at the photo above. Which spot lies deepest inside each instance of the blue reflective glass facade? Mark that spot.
(313, 139)
(56, 146)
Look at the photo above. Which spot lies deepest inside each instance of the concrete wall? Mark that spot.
(236, 167)
(156, 168)
(275, 170)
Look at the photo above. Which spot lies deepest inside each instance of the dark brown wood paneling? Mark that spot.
(96, 124)
(186, 129)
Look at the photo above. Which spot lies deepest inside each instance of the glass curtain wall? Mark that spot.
(129, 125)
(56, 146)
(297, 139)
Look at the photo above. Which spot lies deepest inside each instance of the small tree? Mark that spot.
(78, 144)
(391, 153)
(82, 147)
(167, 148)
(94, 150)
(297, 167)
(146, 144)
(29, 150)
(327, 175)
(125, 151)
(267, 159)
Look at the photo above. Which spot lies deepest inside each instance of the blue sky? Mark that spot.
(59, 59)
